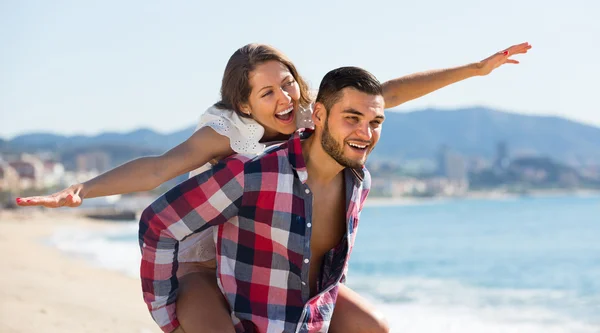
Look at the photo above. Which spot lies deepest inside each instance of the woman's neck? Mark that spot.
(274, 136)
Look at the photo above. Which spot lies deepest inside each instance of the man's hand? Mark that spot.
(487, 65)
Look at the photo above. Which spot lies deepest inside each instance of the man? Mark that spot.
(286, 219)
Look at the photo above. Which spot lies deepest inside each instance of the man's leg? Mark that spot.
(353, 314)
(201, 307)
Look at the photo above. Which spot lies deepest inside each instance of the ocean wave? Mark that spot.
(429, 319)
(115, 248)
(433, 305)
(411, 304)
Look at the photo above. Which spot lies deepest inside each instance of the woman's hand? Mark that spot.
(487, 65)
(69, 197)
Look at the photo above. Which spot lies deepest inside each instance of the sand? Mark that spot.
(44, 290)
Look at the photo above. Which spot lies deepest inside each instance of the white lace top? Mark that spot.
(244, 135)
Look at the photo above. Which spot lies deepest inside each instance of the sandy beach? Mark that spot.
(44, 290)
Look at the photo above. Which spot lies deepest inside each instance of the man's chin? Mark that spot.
(355, 164)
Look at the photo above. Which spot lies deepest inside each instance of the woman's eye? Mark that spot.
(267, 93)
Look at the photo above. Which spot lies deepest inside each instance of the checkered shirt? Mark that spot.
(262, 208)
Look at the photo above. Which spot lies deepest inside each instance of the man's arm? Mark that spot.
(206, 200)
(409, 87)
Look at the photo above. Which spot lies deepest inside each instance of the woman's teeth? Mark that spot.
(285, 114)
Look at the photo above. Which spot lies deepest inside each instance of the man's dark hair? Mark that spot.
(346, 77)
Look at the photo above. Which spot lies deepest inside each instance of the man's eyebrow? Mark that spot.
(287, 77)
(353, 111)
(358, 113)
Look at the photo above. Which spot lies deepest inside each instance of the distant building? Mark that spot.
(94, 161)
(75, 177)
(441, 160)
(453, 174)
(456, 167)
(451, 165)
(568, 179)
(30, 169)
(9, 178)
(501, 160)
(478, 164)
(53, 173)
(591, 172)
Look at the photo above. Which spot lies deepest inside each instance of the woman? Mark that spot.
(263, 99)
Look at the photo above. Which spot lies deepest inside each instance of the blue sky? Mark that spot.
(83, 67)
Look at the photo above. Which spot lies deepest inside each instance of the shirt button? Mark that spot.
(309, 224)
(306, 261)
(307, 191)
(303, 283)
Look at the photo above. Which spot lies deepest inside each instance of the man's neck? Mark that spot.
(321, 168)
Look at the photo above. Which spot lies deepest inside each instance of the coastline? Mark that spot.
(373, 201)
(45, 290)
(59, 289)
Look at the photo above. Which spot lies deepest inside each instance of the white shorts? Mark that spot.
(198, 247)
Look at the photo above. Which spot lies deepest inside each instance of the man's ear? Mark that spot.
(319, 114)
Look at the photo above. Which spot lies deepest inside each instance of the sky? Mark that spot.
(85, 67)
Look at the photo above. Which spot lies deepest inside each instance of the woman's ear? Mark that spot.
(245, 108)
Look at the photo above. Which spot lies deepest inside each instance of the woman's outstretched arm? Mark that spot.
(141, 174)
(409, 87)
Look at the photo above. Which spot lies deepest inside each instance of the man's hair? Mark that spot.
(336, 80)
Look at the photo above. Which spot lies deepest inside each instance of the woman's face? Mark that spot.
(273, 100)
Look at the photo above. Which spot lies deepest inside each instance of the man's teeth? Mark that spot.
(357, 146)
(284, 112)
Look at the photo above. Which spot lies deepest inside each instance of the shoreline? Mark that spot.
(45, 290)
(49, 290)
(485, 195)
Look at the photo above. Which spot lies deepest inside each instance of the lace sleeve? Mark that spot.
(244, 133)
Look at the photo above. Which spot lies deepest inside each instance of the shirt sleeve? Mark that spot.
(244, 134)
(206, 200)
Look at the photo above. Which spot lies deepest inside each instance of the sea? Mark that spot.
(522, 264)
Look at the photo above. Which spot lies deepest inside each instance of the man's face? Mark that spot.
(352, 127)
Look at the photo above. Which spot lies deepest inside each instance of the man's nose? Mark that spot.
(365, 131)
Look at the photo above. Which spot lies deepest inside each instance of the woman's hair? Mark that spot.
(235, 87)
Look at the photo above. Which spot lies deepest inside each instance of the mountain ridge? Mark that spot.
(418, 134)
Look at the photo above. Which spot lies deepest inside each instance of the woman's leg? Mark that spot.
(353, 314)
(201, 307)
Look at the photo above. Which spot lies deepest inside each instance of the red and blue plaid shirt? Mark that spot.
(263, 210)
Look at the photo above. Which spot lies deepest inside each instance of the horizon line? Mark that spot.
(395, 110)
